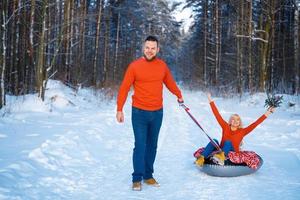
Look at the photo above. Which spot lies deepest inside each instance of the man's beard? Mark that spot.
(149, 60)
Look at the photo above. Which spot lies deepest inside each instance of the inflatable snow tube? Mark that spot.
(229, 169)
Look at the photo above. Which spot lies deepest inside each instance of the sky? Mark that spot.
(71, 147)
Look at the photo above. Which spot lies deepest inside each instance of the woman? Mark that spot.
(232, 134)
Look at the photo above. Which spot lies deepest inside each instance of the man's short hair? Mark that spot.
(152, 38)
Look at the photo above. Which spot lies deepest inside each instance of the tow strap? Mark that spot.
(198, 124)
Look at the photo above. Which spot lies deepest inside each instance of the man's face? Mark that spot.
(150, 50)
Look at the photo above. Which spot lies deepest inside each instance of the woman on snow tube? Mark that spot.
(232, 135)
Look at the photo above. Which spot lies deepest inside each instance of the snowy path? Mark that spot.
(82, 153)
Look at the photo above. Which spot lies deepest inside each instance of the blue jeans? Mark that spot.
(210, 148)
(146, 126)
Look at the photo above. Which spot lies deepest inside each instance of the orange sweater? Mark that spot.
(234, 136)
(147, 78)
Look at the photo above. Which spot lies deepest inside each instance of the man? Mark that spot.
(147, 75)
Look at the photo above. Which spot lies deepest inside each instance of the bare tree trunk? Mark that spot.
(22, 49)
(11, 45)
(66, 40)
(71, 42)
(81, 47)
(41, 71)
(15, 52)
(218, 43)
(99, 16)
(61, 30)
(117, 48)
(31, 45)
(3, 53)
(296, 50)
(239, 66)
(49, 48)
(263, 54)
(106, 48)
(250, 68)
(271, 46)
(205, 24)
(298, 67)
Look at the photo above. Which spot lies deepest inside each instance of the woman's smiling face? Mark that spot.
(235, 121)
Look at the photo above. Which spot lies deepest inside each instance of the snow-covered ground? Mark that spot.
(71, 147)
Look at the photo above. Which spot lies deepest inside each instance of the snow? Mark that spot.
(71, 147)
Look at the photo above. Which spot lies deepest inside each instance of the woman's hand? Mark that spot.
(269, 111)
(209, 97)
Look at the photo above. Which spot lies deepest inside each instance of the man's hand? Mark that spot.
(180, 100)
(120, 116)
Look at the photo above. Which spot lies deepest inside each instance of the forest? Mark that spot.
(232, 46)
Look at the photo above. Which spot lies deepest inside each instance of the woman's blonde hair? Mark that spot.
(235, 115)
